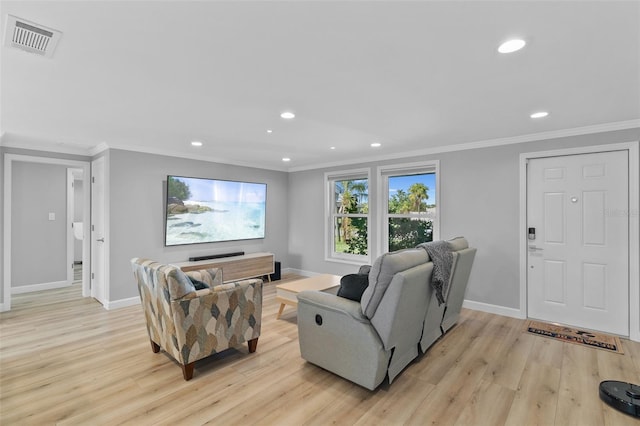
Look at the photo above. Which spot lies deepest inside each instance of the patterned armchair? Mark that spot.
(192, 324)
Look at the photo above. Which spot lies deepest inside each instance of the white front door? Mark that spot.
(578, 247)
(98, 259)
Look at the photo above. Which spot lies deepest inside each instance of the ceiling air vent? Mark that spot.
(30, 37)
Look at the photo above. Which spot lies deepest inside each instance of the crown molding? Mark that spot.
(199, 157)
(38, 145)
(101, 147)
(488, 143)
(45, 146)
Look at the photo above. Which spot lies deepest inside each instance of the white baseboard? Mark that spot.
(493, 309)
(3, 307)
(122, 303)
(38, 287)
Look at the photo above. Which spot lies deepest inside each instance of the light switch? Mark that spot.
(52, 216)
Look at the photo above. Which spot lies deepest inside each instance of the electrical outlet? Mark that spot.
(52, 216)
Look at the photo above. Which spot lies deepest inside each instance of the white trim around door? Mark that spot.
(634, 224)
(86, 201)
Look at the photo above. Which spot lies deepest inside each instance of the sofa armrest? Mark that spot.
(333, 334)
(331, 302)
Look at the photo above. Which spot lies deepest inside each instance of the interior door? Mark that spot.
(71, 244)
(98, 258)
(578, 271)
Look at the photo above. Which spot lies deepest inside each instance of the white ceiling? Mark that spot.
(415, 76)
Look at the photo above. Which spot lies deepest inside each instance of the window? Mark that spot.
(348, 218)
(402, 201)
(410, 207)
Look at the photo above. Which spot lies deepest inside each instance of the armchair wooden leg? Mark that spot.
(253, 345)
(187, 370)
(155, 347)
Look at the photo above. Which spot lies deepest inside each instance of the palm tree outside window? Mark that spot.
(350, 216)
(411, 210)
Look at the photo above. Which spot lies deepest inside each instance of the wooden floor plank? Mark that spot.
(65, 360)
(536, 399)
(489, 405)
(578, 400)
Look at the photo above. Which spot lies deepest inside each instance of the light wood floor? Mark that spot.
(66, 360)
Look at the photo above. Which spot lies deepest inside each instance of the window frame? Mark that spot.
(383, 175)
(330, 215)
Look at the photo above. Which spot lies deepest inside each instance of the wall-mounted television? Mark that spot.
(202, 210)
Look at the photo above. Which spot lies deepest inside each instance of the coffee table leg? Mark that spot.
(280, 310)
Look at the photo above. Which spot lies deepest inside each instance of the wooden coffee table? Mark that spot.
(286, 293)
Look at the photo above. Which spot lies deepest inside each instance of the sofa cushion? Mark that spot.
(352, 286)
(382, 272)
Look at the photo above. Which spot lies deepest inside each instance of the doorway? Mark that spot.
(10, 160)
(578, 248)
(75, 223)
(579, 239)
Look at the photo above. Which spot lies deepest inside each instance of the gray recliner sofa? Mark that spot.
(379, 336)
(447, 314)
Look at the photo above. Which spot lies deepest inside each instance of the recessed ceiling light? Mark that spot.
(269, 131)
(287, 115)
(376, 144)
(196, 143)
(333, 147)
(511, 45)
(539, 114)
(285, 159)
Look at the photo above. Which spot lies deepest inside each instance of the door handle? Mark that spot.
(534, 248)
(100, 240)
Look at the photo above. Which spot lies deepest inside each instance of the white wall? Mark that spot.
(479, 199)
(137, 193)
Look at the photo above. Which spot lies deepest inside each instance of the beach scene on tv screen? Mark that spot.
(206, 210)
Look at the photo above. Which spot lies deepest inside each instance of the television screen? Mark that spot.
(209, 210)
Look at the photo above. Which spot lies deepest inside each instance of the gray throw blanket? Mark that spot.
(442, 258)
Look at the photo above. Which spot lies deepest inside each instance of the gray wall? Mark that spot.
(37, 190)
(137, 192)
(479, 199)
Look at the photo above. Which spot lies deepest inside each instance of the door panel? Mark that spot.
(555, 281)
(577, 271)
(593, 225)
(554, 218)
(97, 231)
(595, 285)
